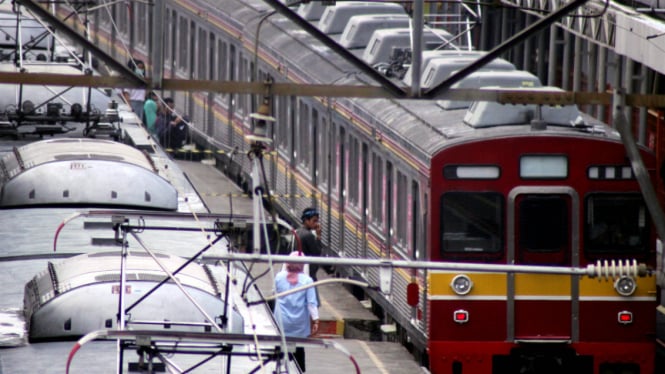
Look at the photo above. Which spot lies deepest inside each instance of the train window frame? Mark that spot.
(497, 243)
(533, 170)
(591, 213)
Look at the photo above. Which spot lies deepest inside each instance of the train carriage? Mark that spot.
(406, 179)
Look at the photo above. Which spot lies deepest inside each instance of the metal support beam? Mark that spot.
(391, 87)
(58, 25)
(504, 47)
(641, 173)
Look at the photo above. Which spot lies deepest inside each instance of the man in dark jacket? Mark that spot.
(309, 236)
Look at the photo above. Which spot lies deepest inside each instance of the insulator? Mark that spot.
(616, 268)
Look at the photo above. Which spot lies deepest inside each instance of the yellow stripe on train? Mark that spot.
(533, 286)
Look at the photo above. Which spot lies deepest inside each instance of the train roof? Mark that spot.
(359, 30)
(421, 127)
(384, 42)
(312, 10)
(428, 56)
(438, 69)
(335, 18)
(483, 78)
(83, 171)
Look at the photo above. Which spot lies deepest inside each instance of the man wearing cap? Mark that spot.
(309, 236)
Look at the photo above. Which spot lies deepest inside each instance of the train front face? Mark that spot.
(564, 201)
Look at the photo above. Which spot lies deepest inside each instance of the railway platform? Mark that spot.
(343, 317)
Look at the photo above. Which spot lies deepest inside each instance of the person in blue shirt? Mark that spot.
(297, 313)
(150, 113)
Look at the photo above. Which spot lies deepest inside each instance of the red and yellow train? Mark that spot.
(411, 180)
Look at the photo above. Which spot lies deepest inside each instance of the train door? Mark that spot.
(542, 230)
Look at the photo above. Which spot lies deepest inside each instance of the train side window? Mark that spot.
(122, 15)
(221, 60)
(414, 242)
(324, 136)
(401, 216)
(472, 222)
(210, 74)
(353, 179)
(282, 124)
(173, 49)
(232, 62)
(202, 56)
(378, 187)
(243, 76)
(335, 156)
(142, 24)
(302, 143)
(191, 64)
(616, 223)
(182, 43)
(167, 37)
(319, 148)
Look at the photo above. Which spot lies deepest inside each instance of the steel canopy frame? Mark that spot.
(59, 25)
(284, 10)
(503, 47)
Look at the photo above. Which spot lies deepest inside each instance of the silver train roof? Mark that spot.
(83, 171)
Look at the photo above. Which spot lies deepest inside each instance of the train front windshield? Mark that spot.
(474, 223)
(616, 223)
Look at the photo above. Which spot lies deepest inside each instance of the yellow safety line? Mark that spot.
(372, 356)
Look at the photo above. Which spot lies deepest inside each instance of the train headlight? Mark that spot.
(625, 286)
(461, 284)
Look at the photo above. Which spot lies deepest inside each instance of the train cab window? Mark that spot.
(472, 222)
(616, 223)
